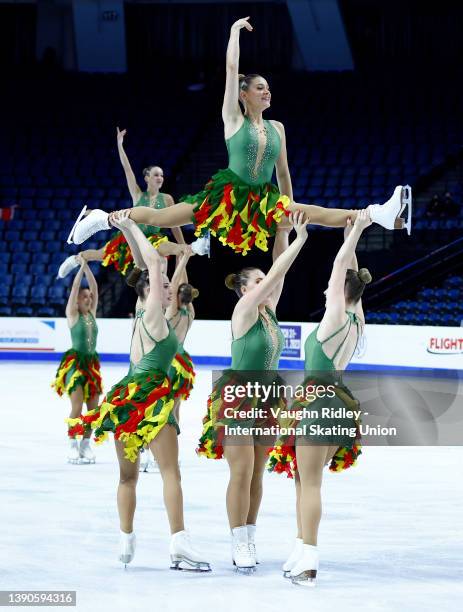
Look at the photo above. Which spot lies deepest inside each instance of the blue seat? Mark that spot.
(24, 311)
(19, 295)
(53, 246)
(3, 269)
(45, 311)
(15, 224)
(39, 257)
(56, 295)
(8, 280)
(46, 214)
(12, 236)
(30, 236)
(38, 270)
(47, 236)
(43, 204)
(38, 295)
(22, 279)
(5, 311)
(19, 268)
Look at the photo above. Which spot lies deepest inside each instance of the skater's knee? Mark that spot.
(241, 473)
(128, 479)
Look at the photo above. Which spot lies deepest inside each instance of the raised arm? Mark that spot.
(93, 286)
(134, 189)
(72, 310)
(154, 317)
(178, 278)
(285, 185)
(280, 245)
(279, 268)
(231, 112)
(131, 241)
(335, 301)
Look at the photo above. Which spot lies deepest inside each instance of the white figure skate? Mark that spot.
(243, 555)
(86, 454)
(73, 454)
(86, 226)
(184, 556)
(304, 573)
(127, 544)
(67, 266)
(293, 558)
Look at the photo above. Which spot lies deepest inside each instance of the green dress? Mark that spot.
(255, 357)
(240, 205)
(181, 371)
(117, 252)
(139, 405)
(80, 365)
(321, 370)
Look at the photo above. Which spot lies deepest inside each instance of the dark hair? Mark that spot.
(236, 281)
(133, 276)
(147, 170)
(355, 284)
(246, 80)
(83, 288)
(187, 293)
(142, 282)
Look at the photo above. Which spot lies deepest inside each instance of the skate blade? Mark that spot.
(286, 573)
(73, 461)
(305, 579)
(71, 233)
(187, 565)
(83, 461)
(408, 202)
(245, 571)
(125, 559)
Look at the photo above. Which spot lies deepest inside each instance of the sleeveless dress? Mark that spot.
(320, 369)
(181, 372)
(255, 357)
(117, 252)
(140, 405)
(240, 205)
(80, 366)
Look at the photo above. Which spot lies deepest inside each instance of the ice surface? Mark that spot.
(390, 538)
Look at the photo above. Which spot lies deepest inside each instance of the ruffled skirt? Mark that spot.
(238, 214)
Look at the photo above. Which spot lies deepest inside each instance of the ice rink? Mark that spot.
(390, 539)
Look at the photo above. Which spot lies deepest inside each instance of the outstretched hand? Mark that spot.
(348, 228)
(363, 219)
(120, 135)
(299, 222)
(242, 23)
(120, 218)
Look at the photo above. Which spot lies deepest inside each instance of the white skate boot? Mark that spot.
(243, 556)
(84, 227)
(86, 454)
(252, 541)
(127, 544)
(388, 214)
(293, 558)
(202, 245)
(73, 454)
(67, 266)
(184, 556)
(304, 573)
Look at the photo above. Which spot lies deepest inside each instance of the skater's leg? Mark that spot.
(256, 489)
(171, 248)
(241, 463)
(92, 404)
(93, 254)
(77, 402)
(328, 217)
(310, 463)
(126, 491)
(176, 410)
(172, 216)
(165, 450)
(297, 482)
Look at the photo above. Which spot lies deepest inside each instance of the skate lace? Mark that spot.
(243, 549)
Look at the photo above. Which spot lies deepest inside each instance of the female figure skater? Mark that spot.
(329, 348)
(138, 409)
(181, 315)
(78, 374)
(257, 345)
(240, 205)
(116, 252)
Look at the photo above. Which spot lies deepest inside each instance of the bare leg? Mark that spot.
(318, 215)
(92, 403)
(126, 491)
(241, 463)
(77, 402)
(165, 450)
(176, 410)
(171, 248)
(172, 216)
(310, 462)
(93, 254)
(256, 489)
(297, 482)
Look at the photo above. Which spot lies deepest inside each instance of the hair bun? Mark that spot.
(194, 293)
(365, 276)
(241, 77)
(132, 278)
(230, 281)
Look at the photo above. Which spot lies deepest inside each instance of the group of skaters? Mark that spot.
(243, 209)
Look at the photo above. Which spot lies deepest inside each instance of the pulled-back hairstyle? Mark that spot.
(355, 284)
(141, 283)
(235, 282)
(187, 293)
(147, 170)
(244, 83)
